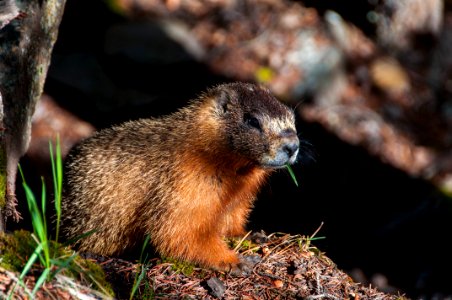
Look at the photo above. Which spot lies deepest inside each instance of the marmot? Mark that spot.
(187, 179)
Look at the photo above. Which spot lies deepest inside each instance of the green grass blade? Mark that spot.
(62, 264)
(30, 262)
(59, 162)
(43, 206)
(43, 196)
(292, 174)
(317, 238)
(139, 278)
(45, 260)
(102, 288)
(37, 218)
(37, 221)
(24, 286)
(57, 176)
(143, 248)
(21, 172)
(38, 224)
(52, 163)
(40, 280)
(79, 237)
(137, 282)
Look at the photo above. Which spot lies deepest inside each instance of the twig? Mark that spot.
(241, 241)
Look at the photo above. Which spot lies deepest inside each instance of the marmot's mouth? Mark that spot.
(281, 159)
(275, 165)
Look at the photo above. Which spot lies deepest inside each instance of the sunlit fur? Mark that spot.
(187, 179)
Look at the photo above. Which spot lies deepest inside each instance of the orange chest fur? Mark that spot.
(219, 183)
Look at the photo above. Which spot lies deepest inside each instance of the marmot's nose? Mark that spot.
(291, 147)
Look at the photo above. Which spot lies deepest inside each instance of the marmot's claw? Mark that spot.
(10, 209)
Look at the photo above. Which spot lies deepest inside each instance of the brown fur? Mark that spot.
(187, 179)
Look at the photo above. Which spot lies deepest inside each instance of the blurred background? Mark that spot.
(371, 84)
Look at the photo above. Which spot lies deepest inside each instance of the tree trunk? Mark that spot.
(26, 42)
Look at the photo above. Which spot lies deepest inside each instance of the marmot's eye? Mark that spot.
(252, 121)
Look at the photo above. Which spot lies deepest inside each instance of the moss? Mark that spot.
(16, 248)
(180, 266)
(95, 274)
(148, 291)
(241, 245)
(246, 244)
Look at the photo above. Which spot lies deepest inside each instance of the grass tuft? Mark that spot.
(52, 257)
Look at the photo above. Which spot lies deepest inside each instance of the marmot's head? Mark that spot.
(256, 125)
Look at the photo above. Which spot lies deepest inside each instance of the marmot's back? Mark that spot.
(186, 179)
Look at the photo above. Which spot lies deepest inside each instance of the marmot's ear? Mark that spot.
(223, 99)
